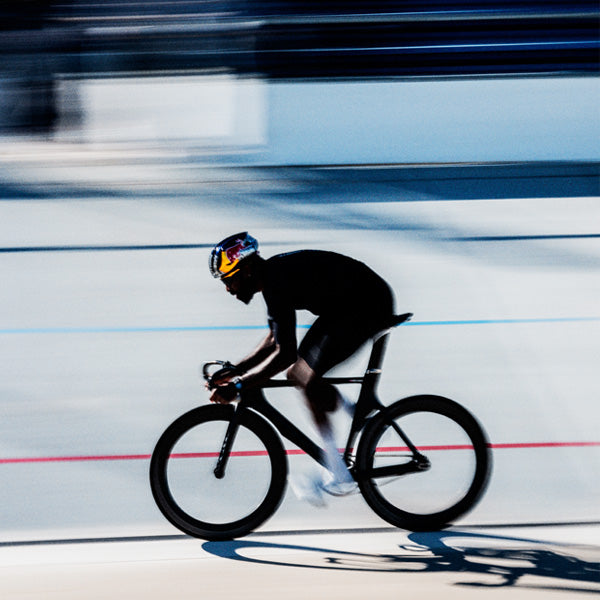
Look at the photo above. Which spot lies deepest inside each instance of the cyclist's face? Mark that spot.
(240, 285)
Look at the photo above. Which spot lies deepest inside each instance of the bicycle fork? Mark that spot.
(225, 451)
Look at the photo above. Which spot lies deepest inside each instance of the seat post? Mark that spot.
(373, 373)
(377, 354)
(380, 340)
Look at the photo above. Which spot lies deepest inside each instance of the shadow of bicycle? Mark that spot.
(482, 560)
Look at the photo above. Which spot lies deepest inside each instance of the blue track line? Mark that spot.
(201, 328)
(506, 321)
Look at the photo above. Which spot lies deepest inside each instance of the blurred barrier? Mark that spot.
(439, 121)
(215, 112)
(260, 122)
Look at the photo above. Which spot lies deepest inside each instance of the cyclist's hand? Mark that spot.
(224, 394)
(222, 376)
(219, 380)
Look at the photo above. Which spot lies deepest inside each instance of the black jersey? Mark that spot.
(330, 285)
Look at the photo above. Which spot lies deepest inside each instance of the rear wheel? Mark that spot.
(189, 494)
(436, 488)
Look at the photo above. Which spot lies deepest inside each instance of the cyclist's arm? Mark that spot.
(280, 350)
(266, 347)
(279, 360)
(275, 353)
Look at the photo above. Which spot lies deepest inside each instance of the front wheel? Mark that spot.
(428, 490)
(193, 498)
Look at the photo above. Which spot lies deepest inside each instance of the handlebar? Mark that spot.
(207, 365)
(225, 367)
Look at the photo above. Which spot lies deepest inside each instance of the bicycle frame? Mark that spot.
(256, 401)
(366, 404)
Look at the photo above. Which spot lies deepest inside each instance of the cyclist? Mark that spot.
(350, 301)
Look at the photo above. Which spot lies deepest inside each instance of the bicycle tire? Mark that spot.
(194, 525)
(424, 407)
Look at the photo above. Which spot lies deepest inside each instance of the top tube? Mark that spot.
(282, 383)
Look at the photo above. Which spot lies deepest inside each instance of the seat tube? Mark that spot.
(367, 399)
(373, 372)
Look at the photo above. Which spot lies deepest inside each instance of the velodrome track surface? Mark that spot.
(107, 310)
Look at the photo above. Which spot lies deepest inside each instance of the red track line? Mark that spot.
(545, 445)
(46, 459)
(234, 453)
(291, 452)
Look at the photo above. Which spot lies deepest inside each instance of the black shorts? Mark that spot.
(330, 341)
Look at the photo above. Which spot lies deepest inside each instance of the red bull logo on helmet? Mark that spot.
(226, 256)
(234, 253)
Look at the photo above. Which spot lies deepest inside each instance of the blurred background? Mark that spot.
(264, 77)
(453, 146)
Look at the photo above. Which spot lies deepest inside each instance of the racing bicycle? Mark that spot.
(219, 471)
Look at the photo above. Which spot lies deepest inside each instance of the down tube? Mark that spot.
(288, 430)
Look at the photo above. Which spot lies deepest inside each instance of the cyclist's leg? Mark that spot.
(321, 399)
(326, 344)
(333, 339)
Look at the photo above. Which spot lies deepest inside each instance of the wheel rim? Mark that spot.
(452, 464)
(186, 489)
(454, 443)
(196, 490)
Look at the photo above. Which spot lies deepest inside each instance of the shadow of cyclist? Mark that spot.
(477, 553)
(498, 561)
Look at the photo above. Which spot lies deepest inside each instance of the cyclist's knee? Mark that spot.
(292, 375)
(300, 374)
(322, 396)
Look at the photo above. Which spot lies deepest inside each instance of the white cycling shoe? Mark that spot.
(311, 487)
(337, 487)
(308, 489)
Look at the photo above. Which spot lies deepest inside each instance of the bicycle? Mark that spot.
(420, 463)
